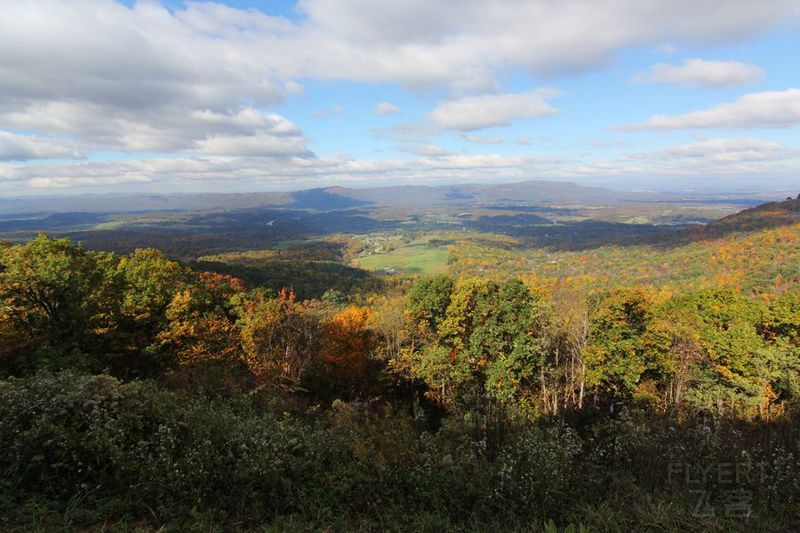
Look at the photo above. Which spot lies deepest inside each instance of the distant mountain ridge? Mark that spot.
(331, 198)
(764, 216)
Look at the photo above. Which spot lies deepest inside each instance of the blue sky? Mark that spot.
(105, 96)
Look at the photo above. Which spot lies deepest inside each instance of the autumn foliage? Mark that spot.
(347, 344)
(515, 396)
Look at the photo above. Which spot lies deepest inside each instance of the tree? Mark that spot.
(508, 333)
(347, 343)
(428, 302)
(388, 321)
(673, 349)
(740, 366)
(614, 357)
(563, 376)
(280, 340)
(60, 298)
(151, 281)
(489, 344)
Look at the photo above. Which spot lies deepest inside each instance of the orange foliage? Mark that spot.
(347, 344)
(197, 337)
(215, 282)
(280, 340)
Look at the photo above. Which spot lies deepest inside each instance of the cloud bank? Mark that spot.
(187, 95)
(703, 74)
(771, 109)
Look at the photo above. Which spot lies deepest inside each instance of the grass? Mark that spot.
(415, 258)
(294, 243)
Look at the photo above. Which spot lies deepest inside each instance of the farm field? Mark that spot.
(417, 257)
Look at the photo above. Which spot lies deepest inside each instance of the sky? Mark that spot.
(107, 96)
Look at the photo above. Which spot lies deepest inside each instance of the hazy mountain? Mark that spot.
(767, 215)
(524, 193)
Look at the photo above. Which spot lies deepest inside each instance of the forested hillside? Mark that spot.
(756, 251)
(530, 388)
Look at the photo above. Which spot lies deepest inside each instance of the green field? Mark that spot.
(415, 258)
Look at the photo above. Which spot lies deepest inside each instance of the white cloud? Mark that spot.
(140, 57)
(194, 81)
(239, 173)
(771, 109)
(258, 145)
(326, 113)
(666, 48)
(429, 150)
(70, 182)
(700, 161)
(483, 139)
(702, 73)
(168, 130)
(477, 112)
(207, 55)
(428, 42)
(385, 108)
(294, 88)
(703, 160)
(606, 143)
(722, 151)
(15, 147)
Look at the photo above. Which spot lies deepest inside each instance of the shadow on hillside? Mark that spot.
(587, 235)
(308, 279)
(190, 235)
(54, 221)
(591, 234)
(323, 200)
(763, 217)
(203, 234)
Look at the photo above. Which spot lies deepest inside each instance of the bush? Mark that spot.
(68, 434)
(96, 448)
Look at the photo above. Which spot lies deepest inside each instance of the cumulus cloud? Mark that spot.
(258, 145)
(606, 143)
(478, 112)
(771, 109)
(15, 147)
(142, 79)
(424, 42)
(720, 151)
(326, 113)
(168, 130)
(148, 55)
(385, 108)
(706, 159)
(196, 81)
(701, 161)
(703, 74)
(666, 48)
(429, 150)
(483, 139)
(246, 173)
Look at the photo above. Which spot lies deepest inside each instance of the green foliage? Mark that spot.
(58, 297)
(614, 358)
(428, 301)
(94, 449)
(309, 279)
(760, 262)
(487, 341)
(69, 434)
(151, 281)
(492, 403)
